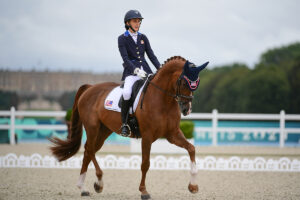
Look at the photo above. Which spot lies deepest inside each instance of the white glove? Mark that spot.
(140, 72)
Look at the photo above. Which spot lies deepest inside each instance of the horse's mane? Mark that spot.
(170, 61)
(174, 58)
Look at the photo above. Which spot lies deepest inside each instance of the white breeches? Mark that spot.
(127, 90)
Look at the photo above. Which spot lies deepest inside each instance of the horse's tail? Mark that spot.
(64, 149)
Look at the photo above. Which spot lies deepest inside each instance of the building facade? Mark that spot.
(51, 84)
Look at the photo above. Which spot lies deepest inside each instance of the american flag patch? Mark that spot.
(108, 103)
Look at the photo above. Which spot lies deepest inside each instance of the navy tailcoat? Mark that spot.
(133, 54)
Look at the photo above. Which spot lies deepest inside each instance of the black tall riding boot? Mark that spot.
(124, 115)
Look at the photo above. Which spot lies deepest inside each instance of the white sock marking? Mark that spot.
(193, 172)
(80, 183)
(100, 183)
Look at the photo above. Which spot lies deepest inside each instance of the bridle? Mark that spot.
(189, 71)
(178, 96)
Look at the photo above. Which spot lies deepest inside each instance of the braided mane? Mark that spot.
(174, 58)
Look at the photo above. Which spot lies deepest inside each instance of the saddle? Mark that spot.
(113, 102)
(135, 90)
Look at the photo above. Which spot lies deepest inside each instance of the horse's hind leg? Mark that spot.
(85, 163)
(101, 137)
(96, 135)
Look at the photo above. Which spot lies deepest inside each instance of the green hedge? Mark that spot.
(187, 127)
(68, 115)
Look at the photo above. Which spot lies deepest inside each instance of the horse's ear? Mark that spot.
(200, 68)
(186, 67)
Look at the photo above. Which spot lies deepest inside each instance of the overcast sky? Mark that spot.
(82, 34)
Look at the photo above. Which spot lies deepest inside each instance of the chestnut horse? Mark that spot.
(167, 96)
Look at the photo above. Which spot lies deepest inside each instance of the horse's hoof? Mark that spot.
(145, 196)
(85, 194)
(193, 188)
(97, 188)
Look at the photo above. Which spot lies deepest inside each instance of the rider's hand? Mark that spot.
(140, 72)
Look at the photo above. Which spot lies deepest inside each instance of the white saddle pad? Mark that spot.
(112, 100)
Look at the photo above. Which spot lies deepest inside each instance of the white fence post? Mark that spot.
(12, 126)
(214, 127)
(282, 127)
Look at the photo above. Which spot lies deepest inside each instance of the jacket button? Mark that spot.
(137, 48)
(139, 56)
(141, 61)
(138, 52)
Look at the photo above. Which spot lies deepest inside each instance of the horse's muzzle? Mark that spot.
(186, 108)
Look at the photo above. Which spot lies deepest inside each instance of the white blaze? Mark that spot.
(190, 108)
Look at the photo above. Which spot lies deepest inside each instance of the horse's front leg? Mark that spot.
(146, 148)
(179, 140)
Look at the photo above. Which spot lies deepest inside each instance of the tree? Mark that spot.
(265, 91)
(8, 99)
(280, 57)
(219, 88)
(66, 100)
(273, 85)
(228, 93)
(294, 81)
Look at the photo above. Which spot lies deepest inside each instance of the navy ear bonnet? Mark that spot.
(190, 74)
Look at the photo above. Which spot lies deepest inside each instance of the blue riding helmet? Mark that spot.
(132, 14)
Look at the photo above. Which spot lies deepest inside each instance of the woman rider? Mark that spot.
(132, 46)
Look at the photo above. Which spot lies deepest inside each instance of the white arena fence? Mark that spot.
(214, 117)
(208, 163)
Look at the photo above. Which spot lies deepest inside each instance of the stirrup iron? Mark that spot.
(129, 130)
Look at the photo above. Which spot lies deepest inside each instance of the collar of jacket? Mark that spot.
(126, 34)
